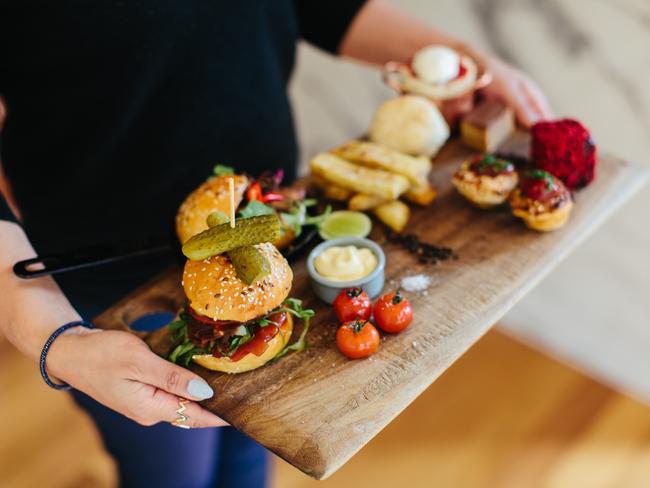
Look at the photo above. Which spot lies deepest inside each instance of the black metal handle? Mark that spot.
(59, 263)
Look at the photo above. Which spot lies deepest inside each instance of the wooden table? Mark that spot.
(316, 409)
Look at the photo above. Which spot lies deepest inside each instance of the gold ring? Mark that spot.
(182, 418)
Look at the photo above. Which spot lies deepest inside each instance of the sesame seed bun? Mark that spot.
(214, 290)
(211, 196)
(250, 361)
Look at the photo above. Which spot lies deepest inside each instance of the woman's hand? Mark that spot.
(510, 86)
(516, 90)
(119, 370)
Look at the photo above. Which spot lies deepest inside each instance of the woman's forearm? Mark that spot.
(29, 309)
(382, 32)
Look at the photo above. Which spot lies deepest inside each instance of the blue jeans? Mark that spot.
(164, 456)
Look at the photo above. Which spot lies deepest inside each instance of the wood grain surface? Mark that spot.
(316, 409)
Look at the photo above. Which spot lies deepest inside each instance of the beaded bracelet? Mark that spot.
(46, 348)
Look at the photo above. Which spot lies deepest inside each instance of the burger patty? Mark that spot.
(234, 339)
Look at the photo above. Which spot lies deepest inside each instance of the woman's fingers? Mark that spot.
(453, 110)
(529, 102)
(166, 407)
(152, 370)
(155, 406)
(519, 92)
(514, 95)
(538, 100)
(524, 109)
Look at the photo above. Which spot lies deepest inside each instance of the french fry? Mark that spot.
(359, 179)
(363, 201)
(378, 156)
(394, 214)
(331, 191)
(421, 194)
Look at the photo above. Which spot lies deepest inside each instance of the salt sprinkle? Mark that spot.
(418, 282)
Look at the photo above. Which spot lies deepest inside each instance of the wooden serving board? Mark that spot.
(316, 409)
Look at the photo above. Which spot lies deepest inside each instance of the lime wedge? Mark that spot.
(345, 223)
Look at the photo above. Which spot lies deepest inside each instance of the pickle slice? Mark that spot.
(250, 263)
(217, 218)
(222, 238)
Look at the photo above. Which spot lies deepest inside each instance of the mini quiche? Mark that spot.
(542, 201)
(486, 180)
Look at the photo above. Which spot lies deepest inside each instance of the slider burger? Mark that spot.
(486, 180)
(235, 325)
(257, 197)
(238, 315)
(541, 201)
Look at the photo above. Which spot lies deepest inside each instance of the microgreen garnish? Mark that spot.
(489, 161)
(297, 217)
(540, 174)
(223, 170)
(255, 208)
(294, 307)
(185, 348)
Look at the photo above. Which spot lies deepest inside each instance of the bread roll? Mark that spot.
(410, 124)
(211, 196)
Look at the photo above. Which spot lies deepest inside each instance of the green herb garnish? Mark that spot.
(294, 307)
(185, 348)
(490, 161)
(223, 170)
(297, 217)
(540, 174)
(255, 208)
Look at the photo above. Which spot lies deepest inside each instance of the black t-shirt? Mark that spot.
(117, 109)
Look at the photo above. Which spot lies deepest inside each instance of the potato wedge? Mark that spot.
(331, 191)
(394, 214)
(421, 194)
(416, 169)
(359, 178)
(363, 201)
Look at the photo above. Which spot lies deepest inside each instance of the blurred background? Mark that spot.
(557, 394)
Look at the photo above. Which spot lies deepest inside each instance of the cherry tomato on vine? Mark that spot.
(351, 304)
(393, 312)
(357, 339)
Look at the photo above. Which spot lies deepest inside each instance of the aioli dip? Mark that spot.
(345, 263)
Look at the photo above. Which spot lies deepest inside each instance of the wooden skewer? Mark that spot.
(231, 187)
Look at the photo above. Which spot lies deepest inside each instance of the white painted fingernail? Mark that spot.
(200, 389)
